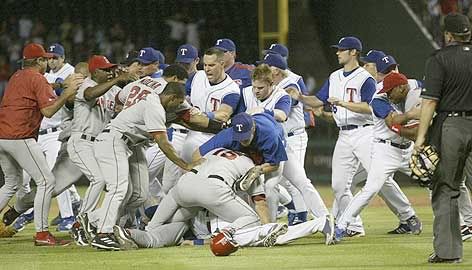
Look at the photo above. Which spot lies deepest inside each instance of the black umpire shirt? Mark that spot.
(448, 78)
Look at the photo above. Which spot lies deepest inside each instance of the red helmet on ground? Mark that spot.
(223, 245)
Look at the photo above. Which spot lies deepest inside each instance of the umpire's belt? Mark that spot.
(48, 130)
(210, 176)
(87, 137)
(123, 137)
(397, 145)
(459, 114)
(351, 127)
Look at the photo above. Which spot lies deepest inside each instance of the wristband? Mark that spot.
(396, 128)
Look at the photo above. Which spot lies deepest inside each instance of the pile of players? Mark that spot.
(169, 145)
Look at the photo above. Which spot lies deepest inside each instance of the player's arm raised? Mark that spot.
(94, 92)
(310, 101)
(71, 84)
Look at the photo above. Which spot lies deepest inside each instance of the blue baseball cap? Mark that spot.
(242, 126)
(278, 49)
(147, 55)
(384, 63)
(274, 60)
(56, 49)
(225, 44)
(186, 54)
(373, 56)
(347, 43)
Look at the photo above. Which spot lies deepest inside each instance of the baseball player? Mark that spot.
(27, 99)
(392, 146)
(261, 134)
(213, 181)
(93, 107)
(214, 93)
(239, 72)
(119, 151)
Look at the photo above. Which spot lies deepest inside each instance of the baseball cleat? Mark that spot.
(105, 241)
(124, 238)
(47, 239)
(282, 211)
(466, 233)
(66, 224)
(90, 230)
(352, 233)
(300, 217)
(271, 238)
(291, 216)
(22, 221)
(433, 258)
(78, 234)
(328, 230)
(402, 228)
(10, 216)
(415, 225)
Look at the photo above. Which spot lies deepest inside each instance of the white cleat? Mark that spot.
(123, 238)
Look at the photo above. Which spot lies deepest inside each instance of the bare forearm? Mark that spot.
(409, 133)
(280, 115)
(268, 168)
(52, 109)
(170, 153)
(98, 90)
(428, 107)
(358, 107)
(311, 101)
(262, 210)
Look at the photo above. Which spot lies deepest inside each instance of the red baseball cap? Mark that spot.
(35, 50)
(393, 80)
(100, 62)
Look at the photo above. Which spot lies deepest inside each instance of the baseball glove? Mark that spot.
(423, 164)
(6, 231)
(245, 182)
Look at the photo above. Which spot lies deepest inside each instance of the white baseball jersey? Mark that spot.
(139, 120)
(226, 163)
(208, 97)
(90, 117)
(348, 89)
(138, 90)
(295, 119)
(269, 103)
(51, 77)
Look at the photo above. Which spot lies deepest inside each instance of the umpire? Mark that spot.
(448, 92)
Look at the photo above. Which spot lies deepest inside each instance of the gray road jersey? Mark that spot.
(90, 117)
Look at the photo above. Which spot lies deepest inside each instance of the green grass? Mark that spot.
(377, 250)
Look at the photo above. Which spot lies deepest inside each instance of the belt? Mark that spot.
(123, 137)
(215, 176)
(87, 137)
(295, 132)
(397, 145)
(351, 127)
(180, 130)
(48, 130)
(459, 114)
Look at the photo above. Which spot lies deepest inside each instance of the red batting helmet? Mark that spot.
(222, 245)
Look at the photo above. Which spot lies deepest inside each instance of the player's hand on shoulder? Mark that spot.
(295, 94)
(72, 84)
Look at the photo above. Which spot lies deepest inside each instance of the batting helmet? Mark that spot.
(223, 245)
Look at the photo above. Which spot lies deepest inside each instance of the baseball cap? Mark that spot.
(278, 49)
(457, 23)
(56, 49)
(186, 54)
(99, 62)
(35, 50)
(347, 43)
(225, 44)
(393, 80)
(274, 60)
(242, 126)
(148, 55)
(384, 63)
(373, 56)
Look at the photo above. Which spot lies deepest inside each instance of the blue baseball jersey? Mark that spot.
(267, 146)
